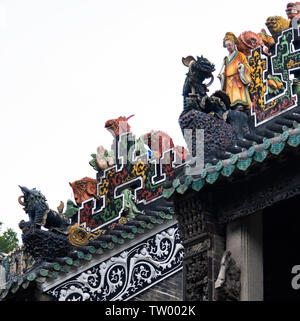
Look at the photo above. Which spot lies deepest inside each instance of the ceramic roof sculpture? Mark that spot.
(237, 140)
(119, 214)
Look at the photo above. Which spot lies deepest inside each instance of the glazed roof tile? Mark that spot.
(243, 158)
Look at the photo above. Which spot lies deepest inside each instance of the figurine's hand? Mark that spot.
(240, 66)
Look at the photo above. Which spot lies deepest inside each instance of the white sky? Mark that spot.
(67, 66)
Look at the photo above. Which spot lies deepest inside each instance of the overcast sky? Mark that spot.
(67, 66)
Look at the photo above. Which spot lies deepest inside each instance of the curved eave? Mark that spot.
(257, 153)
(43, 272)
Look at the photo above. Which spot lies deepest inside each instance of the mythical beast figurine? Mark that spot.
(118, 126)
(35, 205)
(58, 238)
(199, 70)
(276, 24)
(84, 189)
(130, 207)
(211, 113)
(249, 40)
(40, 243)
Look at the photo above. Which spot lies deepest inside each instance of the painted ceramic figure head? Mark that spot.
(230, 45)
(230, 41)
(292, 9)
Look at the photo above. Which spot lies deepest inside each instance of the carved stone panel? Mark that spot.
(125, 275)
(190, 218)
(196, 271)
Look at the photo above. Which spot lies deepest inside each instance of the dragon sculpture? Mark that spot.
(221, 125)
(118, 126)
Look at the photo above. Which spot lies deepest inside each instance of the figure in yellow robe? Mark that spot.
(235, 77)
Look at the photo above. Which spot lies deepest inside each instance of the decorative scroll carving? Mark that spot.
(228, 286)
(127, 274)
(78, 236)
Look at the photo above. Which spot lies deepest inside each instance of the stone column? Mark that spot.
(2, 277)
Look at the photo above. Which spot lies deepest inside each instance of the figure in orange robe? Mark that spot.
(235, 75)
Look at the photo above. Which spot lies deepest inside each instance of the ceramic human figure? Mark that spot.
(235, 75)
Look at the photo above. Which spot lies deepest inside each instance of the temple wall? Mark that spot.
(170, 289)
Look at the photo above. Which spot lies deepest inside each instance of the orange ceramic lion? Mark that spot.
(84, 189)
(249, 40)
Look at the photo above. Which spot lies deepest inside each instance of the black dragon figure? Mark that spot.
(39, 242)
(222, 126)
